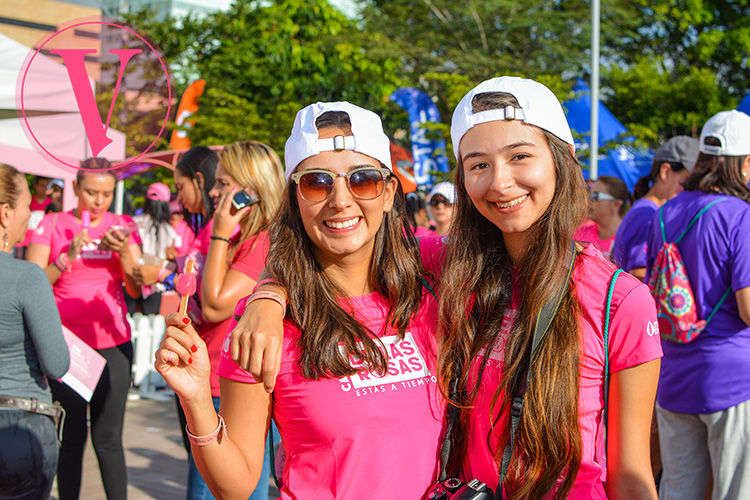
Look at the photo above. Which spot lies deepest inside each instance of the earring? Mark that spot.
(5, 239)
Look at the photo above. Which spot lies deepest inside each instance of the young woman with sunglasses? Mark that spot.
(356, 402)
(609, 201)
(440, 201)
(520, 196)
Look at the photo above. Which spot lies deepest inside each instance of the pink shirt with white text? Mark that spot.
(361, 436)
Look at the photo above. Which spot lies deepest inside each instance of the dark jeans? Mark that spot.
(107, 415)
(149, 305)
(28, 455)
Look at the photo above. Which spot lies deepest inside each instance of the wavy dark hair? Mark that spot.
(395, 273)
(718, 174)
(204, 160)
(95, 166)
(478, 266)
(159, 212)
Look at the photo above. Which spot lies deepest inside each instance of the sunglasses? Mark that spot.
(434, 202)
(363, 183)
(598, 195)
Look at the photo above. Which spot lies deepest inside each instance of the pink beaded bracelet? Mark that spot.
(217, 435)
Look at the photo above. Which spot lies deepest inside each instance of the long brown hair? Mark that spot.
(478, 266)
(718, 174)
(395, 272)
(256, 166)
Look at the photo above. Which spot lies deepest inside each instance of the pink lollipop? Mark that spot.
(86, 219)
(185, 286)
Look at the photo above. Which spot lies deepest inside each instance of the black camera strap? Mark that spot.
(543, 322)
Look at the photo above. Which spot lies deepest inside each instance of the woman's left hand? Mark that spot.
(224, 220)
(114, 241)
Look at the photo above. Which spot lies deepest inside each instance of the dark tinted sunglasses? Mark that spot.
(363, 183)
(435, 201)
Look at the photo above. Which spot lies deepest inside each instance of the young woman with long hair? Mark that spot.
(703, 403)
(357, 402)
(520, 198)
(87, 258)
(672, 164)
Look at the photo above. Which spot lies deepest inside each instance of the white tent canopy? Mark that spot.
(52, 113)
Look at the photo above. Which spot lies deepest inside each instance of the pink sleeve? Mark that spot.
(251, 256)
(227, 367)
(43, 233)
(433, 249)
(634, 332)
(187, 235)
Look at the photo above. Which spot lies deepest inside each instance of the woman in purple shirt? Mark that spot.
(703, 401)
(672, 164)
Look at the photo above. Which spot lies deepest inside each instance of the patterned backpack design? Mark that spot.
(670, 287)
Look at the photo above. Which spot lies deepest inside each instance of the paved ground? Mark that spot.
(154, 454)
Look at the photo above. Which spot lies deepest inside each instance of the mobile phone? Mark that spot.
(125, 230)
(243, 199)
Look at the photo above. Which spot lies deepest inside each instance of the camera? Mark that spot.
(454, 489)
(243, 199)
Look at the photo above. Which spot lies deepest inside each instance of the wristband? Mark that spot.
(62, 262)
(264, 282)
(163, 273)
(217, 435)
(169, 281)
(267, 295)
(219, 238)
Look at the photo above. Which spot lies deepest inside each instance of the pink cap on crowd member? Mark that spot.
(539, 107)
(175, 206)
(367, 136)
(158, 191)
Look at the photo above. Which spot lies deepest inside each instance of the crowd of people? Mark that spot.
(483, 330)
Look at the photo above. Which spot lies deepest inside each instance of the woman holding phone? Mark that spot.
(357, 397)
(87, 254)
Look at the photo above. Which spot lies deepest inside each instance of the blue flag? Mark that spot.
(421, 110)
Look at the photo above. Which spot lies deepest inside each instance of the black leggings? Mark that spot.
(28, 455)
(107, 412)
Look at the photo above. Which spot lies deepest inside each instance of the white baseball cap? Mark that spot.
(732, 128)
(445, 189)
(368, 137)
(539, 107)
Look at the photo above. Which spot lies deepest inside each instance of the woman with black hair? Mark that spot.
(157, 235)
(194, 178)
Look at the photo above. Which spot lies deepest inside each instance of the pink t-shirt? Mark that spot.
(362, 436)
(249, 259)
(633, 339)
(90, 294)
(185, 237)
(589, 233)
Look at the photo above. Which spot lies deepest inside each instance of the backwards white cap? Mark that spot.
(367, 136)
(539, 107)
(732, 128)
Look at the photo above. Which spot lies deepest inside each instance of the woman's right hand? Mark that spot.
(79, 240)
(182, 359)
(257, 341)
(146, 274)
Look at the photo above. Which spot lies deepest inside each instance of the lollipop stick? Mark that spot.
(185, 296)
